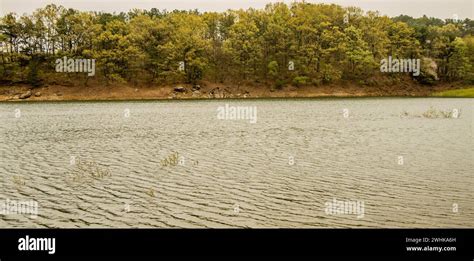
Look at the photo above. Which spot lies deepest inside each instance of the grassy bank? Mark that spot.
(465, 93)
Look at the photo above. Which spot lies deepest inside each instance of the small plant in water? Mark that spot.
(151, 192)
(170, 160)
(19, 181)
(89, 169)
(434, 113)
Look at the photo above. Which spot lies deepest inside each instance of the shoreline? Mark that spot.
(25, 93)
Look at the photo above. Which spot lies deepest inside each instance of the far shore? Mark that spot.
(22, 93)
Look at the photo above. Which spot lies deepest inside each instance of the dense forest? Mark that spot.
(297, 44)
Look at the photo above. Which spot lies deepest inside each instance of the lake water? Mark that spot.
(175, 164)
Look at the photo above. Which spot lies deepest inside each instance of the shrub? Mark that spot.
(279, 84)
(300, 80)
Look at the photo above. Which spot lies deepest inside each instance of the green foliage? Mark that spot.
(33, 75)
(279, 84)
(324, 44)
(330, 74)
(458, 66)
(469, 76)
(468, 93)
(273, 69)
(300, 80)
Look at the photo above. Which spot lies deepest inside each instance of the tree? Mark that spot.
(242, 47)
(360, 59)
(458, 66)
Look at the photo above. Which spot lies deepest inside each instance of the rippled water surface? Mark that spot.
(234, 173)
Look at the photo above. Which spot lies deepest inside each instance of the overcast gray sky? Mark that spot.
(416, 8)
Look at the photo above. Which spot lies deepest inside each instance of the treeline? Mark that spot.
(299, 44)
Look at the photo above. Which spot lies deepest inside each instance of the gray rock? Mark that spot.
(37, 94)
(25, 95)
(196, 93)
